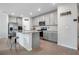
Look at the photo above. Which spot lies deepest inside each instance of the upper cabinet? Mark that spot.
(19, 21)
(53, 18)
(36, 21)
(32, 22)
(12, 19)
(46, 18)
(50, 19)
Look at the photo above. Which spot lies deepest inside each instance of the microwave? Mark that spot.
(42, 23)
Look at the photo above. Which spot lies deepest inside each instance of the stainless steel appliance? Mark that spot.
(42, 23)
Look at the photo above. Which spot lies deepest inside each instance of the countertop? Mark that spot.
(30, 31)
(50, 31)
(36, 31)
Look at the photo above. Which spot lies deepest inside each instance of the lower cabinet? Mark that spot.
(45, 36)
(29, 40)
(51, 36)
(25, 40)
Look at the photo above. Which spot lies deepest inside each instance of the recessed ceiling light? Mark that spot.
(30, 13)
(39, 9)
(12, 13)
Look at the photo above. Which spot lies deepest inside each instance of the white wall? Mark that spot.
(26, 24)
(67, 28)
(3, 25)
(78, 22)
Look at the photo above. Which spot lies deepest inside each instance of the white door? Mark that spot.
(67, 27)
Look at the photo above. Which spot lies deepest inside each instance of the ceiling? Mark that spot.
(26, 9)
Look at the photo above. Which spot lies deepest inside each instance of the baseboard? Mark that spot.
(3, 37)
(29, 49)
(67, 46)
(50, 41)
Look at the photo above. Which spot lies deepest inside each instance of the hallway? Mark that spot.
(46, 48)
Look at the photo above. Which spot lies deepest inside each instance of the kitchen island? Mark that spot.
(29, 39)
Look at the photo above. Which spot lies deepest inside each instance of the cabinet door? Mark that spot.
(46, 18)
(51, 19)
(19, 21)
(43, 18)
(12, 19)
(55, 17)
(40, 18)
(52, 36)
(45, 36)
(36, 22)
(33, 22)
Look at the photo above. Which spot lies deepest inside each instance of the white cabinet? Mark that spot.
(41, 18)
(52, 36)
(25, 40)
(45, 35)
(36, 21)
(19, 21)
(12, 19)
(33, 22)
(46, 18)
(51, 20)
(55, 17)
